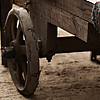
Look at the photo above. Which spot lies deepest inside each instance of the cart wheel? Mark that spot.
(24, 62)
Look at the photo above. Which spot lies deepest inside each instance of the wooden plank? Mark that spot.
(51, 38)
(80, 8)
(73, 44)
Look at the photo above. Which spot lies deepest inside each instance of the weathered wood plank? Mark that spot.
(80, 8)
(51, 38)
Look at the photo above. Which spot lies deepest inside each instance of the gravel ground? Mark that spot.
(68, 77)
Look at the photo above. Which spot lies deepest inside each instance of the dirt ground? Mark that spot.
(68, 77)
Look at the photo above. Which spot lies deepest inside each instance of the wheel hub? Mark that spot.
(13, 51)
(8, 52)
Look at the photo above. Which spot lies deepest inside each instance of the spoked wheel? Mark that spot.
(24, 62)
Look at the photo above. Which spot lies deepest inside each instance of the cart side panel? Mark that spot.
(43, 12)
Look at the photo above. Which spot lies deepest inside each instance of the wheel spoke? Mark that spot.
(19, 74)
(19, 33)
(24, 68)
(16, 71)
(20, 36)
(23, 50)
(14, 28)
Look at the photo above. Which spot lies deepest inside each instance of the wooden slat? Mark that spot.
(51, 38)
(80, 8)
(73, 44)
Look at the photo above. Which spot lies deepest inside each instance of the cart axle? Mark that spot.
(8, 52)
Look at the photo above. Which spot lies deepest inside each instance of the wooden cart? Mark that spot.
(30, 33)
